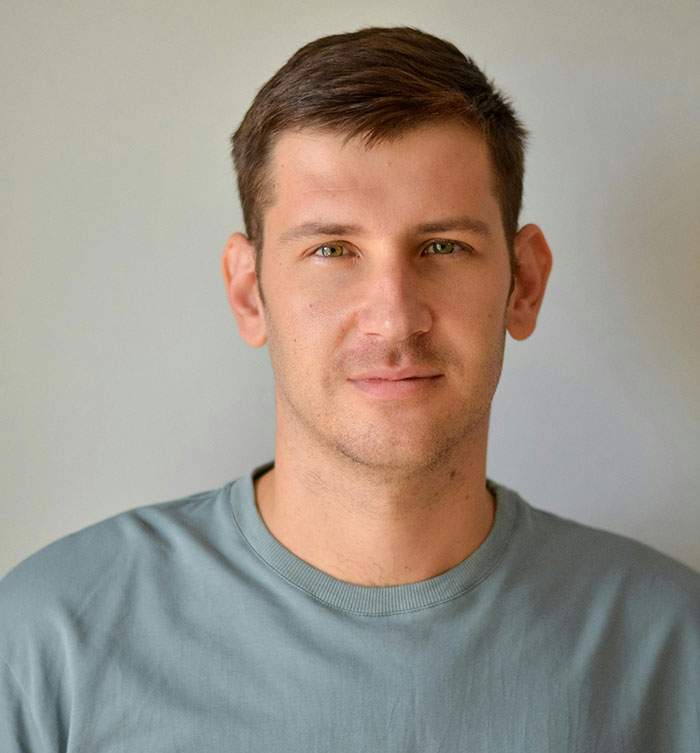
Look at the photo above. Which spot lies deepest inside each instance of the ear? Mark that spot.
(534, 264)
(238, 266)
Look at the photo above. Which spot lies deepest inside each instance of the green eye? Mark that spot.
(330, 249)
(442, 247)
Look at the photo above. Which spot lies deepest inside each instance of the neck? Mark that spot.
(376, 527)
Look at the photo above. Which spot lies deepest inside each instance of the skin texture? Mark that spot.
(386, 353)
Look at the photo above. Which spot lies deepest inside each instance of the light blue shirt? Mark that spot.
(186, 626)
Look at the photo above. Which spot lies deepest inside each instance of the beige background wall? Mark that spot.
(124, 380)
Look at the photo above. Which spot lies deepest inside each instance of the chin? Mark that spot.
(401, 455)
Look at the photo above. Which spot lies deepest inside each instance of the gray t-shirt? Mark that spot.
(186, 626)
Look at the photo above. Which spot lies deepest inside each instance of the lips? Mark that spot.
(395, 375)
(396, 383)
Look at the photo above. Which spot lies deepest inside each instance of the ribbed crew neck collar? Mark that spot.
(372, 600)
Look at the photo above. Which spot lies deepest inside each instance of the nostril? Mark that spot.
(395, 318)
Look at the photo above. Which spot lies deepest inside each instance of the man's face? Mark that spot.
(386, 277)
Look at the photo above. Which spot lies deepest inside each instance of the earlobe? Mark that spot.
(534, 265)
(238, 267)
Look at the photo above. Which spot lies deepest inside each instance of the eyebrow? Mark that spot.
(313, 229)
(463, 223)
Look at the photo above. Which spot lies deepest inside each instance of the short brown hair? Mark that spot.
(377, 83)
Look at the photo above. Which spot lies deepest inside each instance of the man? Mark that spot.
(371, 590)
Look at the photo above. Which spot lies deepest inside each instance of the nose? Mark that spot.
(394, 304)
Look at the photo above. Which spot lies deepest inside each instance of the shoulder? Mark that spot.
(626, 615)
(605, 549)
(601, 567)
(63, 577)
(70, 611)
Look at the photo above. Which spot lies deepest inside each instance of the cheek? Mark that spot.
(319, 305)
(304, 331)
(478, 304)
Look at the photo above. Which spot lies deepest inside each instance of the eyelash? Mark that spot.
(458, 247)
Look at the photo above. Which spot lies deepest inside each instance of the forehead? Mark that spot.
(433, 170)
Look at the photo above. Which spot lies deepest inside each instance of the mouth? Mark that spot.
(396, 385)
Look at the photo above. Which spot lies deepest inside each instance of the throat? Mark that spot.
(397, 537)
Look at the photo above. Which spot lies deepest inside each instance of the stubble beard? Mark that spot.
(387, 449)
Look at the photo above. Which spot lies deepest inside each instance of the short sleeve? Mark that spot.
(18, 729)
